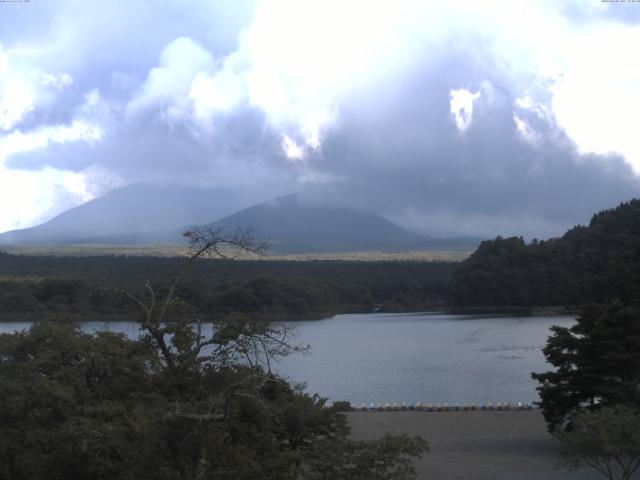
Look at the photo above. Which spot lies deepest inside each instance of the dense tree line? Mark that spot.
(266, 288)
(587, 264)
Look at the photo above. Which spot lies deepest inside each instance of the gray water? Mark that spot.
(409, 357)
(422, 357)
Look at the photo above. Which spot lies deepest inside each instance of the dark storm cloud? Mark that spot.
(403, 153)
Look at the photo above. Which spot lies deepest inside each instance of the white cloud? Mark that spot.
(540, 109)
(28, 197)
(597, 97)
(24, 87)
(168, 85)
(294, 62)
(526, 132)
(59, 81)
(16, 100)
(31, 197)
(18, 142)
(303, 55)
(292, 150)
(461, 104)
(16, 95)
(220, 92)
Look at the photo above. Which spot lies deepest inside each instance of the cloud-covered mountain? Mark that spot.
(135, 208)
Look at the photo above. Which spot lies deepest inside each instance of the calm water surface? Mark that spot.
(422, 357)
(409, 357)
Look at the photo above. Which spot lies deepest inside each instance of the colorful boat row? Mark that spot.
(443, 407)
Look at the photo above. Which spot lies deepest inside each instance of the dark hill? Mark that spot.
(592, 263)
(294, 226)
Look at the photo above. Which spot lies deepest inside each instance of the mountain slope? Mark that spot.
(135, 208)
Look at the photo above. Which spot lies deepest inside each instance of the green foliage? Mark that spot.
(597, 363)
(387, 458)
(342, 406)
(607, 440)
(79, 406)
(61, 291)
(185, 401)
(71, 404)
(593, 263)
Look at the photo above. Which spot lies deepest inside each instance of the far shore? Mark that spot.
(478, 445)
(533, 311)
(6, 317)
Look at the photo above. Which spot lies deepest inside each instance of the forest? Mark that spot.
(587, 264)
(269, 289)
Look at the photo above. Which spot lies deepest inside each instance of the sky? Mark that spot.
(450, 118)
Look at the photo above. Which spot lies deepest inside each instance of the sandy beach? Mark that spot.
(479, 445)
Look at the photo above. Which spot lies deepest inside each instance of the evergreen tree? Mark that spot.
(597, 363)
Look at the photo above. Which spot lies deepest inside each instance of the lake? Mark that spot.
(410, 357)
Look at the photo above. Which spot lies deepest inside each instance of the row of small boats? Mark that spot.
(443, 407)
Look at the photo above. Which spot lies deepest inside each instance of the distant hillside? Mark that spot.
(135, 208)
(294, 226)
(591, 263)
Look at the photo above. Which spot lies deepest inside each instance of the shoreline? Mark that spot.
(8, 317)
(535, 311)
